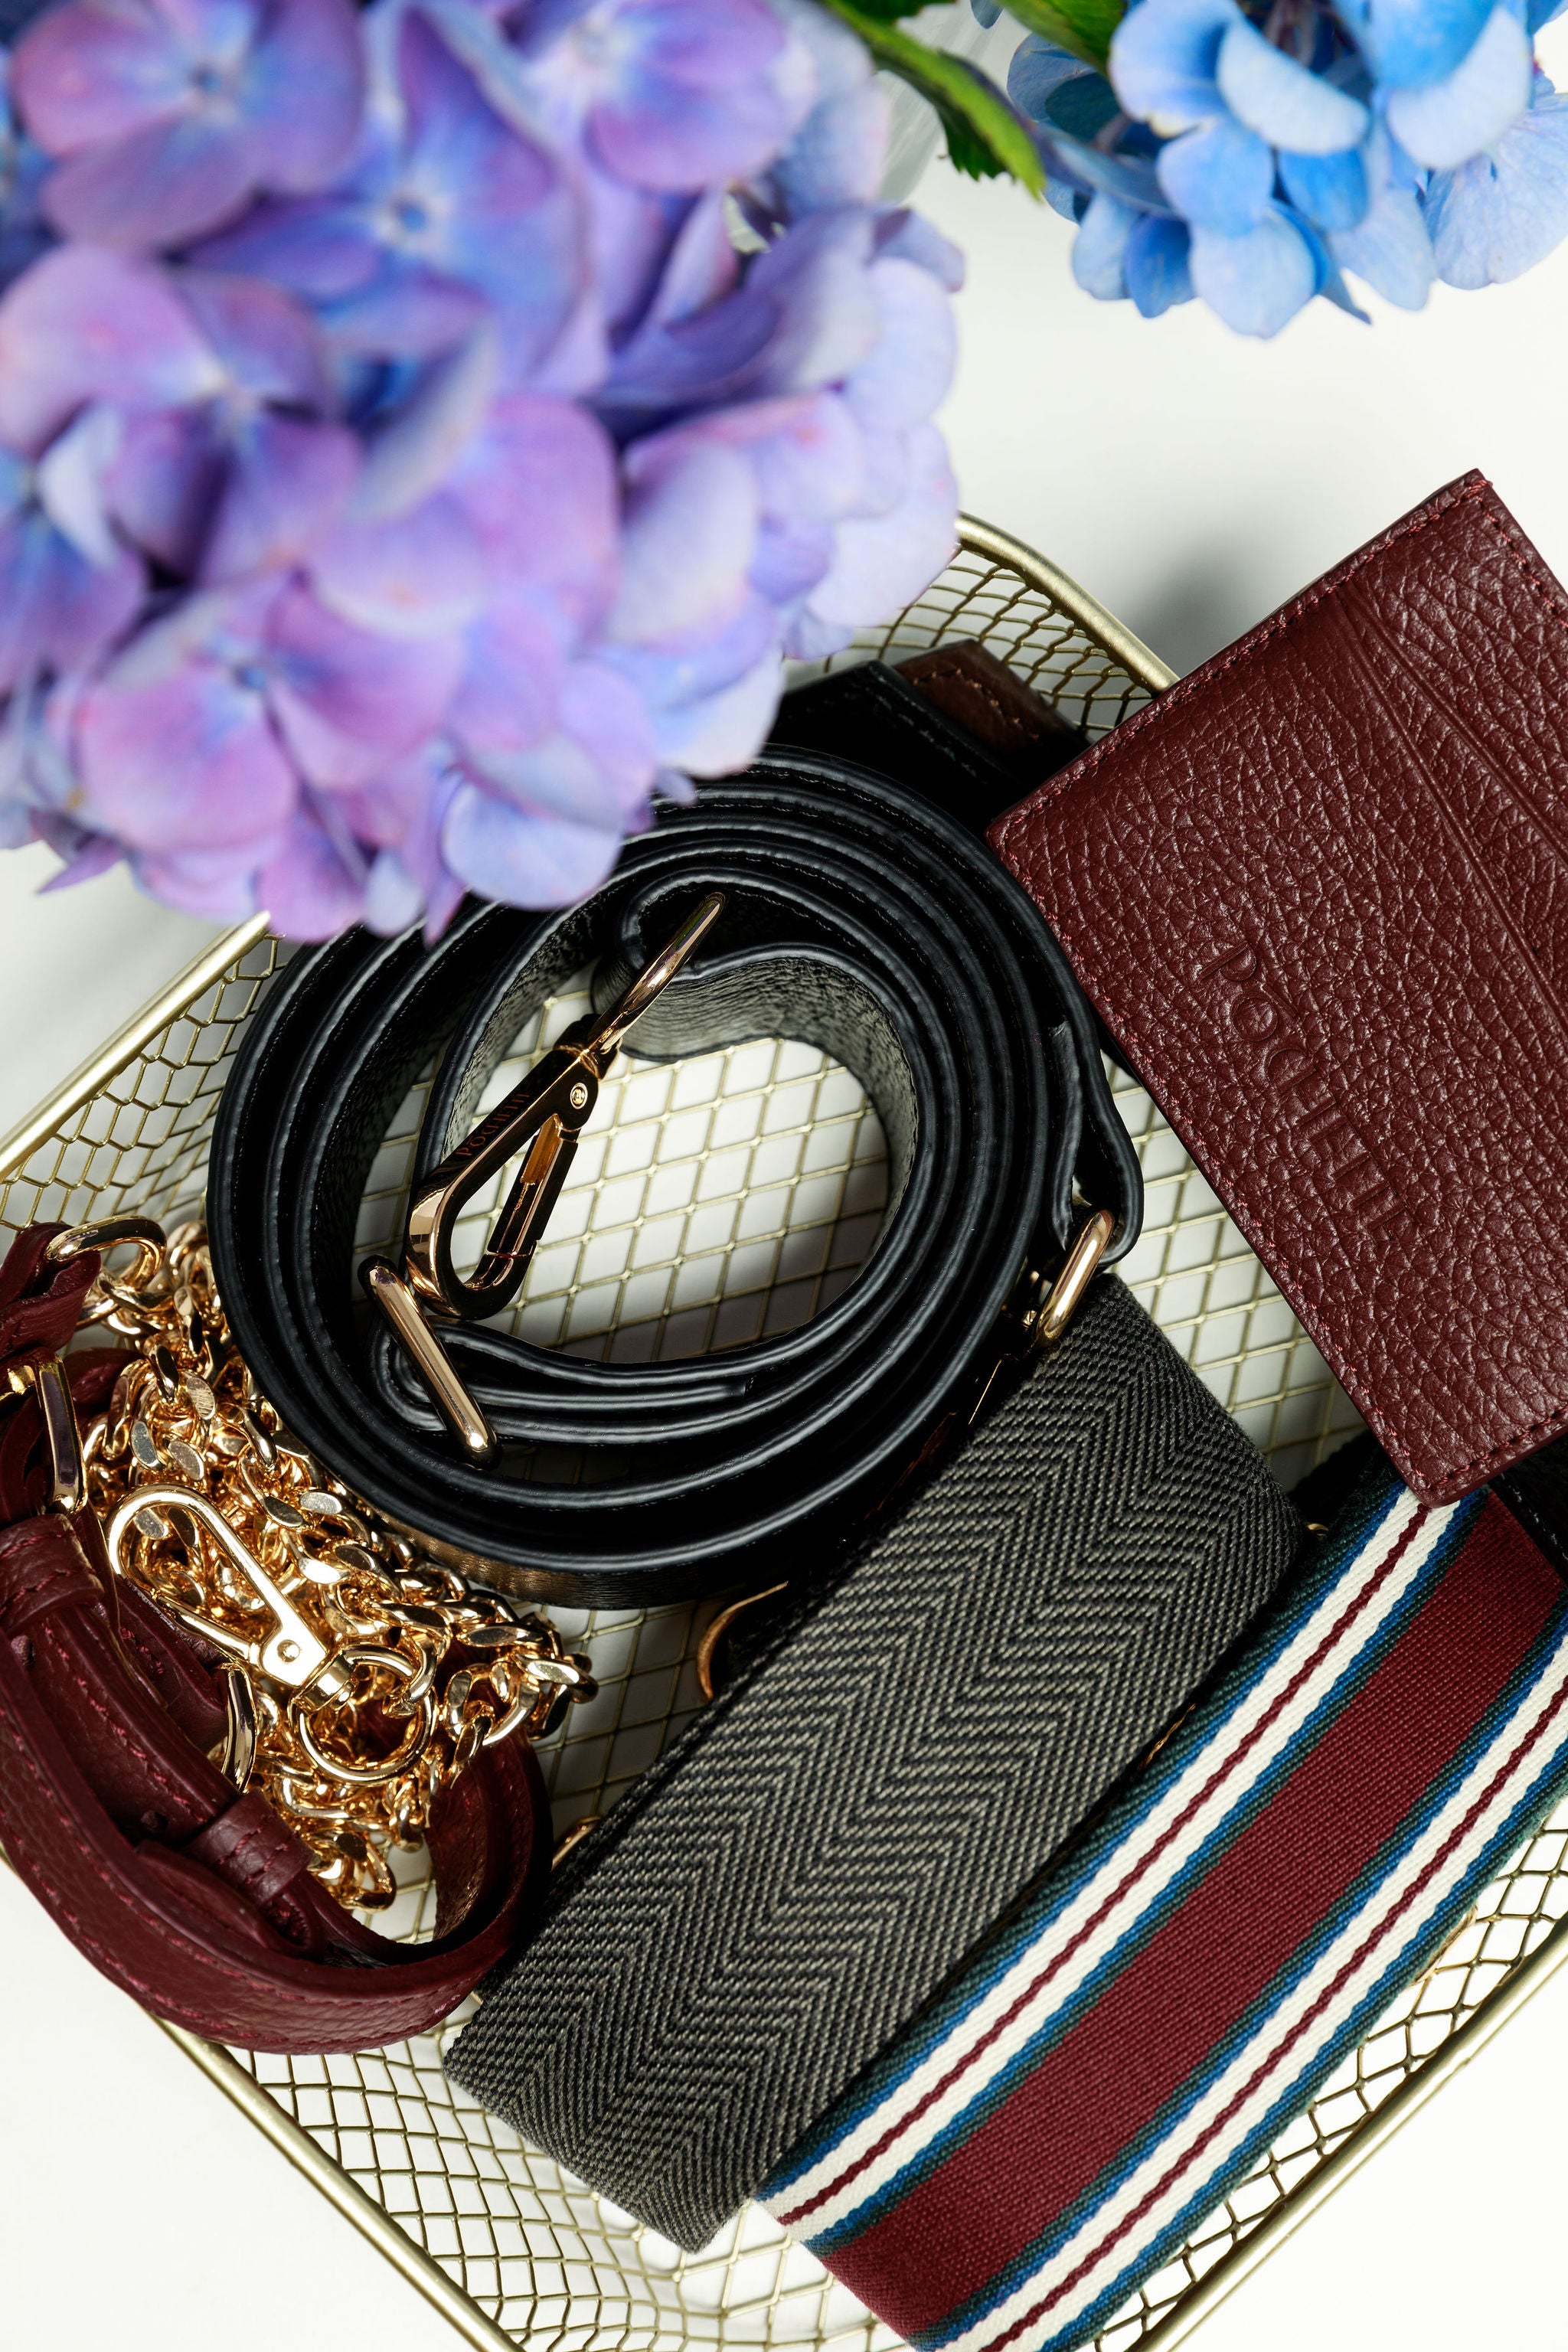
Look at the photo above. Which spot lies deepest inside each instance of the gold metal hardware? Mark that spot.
(546, 1114)
(1092, 1240)
(713, 1635)
(462, 1414)
(364, 1675)
(68, 1474)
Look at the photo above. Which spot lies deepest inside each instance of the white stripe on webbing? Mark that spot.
(1272, 2052)
(1125, 1892)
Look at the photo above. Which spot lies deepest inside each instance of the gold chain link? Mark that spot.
(365, 1676)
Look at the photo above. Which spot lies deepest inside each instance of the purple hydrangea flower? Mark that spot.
(438, 481)
(448, 214)
(68, 583)
(167, 115)
(676, 95)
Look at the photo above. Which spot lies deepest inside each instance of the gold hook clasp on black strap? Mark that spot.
(545, 1116)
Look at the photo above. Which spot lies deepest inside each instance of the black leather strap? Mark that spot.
(779, 1896)
(860, 918)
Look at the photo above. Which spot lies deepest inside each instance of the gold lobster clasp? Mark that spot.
(543, 1117)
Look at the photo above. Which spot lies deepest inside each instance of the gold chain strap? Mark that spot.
(364, 1675)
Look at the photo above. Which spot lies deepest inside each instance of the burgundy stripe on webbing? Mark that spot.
(1239, 1926)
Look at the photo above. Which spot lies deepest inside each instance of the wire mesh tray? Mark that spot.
(714, 1200)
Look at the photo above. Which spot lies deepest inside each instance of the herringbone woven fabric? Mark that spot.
(780, 1896)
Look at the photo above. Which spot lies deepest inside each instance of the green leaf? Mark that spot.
(985, 136)
(1082, 27)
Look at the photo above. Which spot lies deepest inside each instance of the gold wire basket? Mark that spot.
(714, 1200)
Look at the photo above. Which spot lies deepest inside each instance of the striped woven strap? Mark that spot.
(1089, 2089)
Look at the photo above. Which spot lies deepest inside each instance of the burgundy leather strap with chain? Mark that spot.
(197, 1900)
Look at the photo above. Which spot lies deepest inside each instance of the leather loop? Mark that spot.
(199, 1902)
(859, 917)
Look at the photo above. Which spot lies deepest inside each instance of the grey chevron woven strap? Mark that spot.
(779, 1896)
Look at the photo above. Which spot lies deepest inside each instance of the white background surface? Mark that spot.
(1191, 481)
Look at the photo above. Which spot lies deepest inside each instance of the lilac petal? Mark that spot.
(312, 886)
(86, 72)
(1163, 58)
(539, 487)
(419, 574)
(510, 689)
(1099, 249)
(410, 314)
(690, 527)
(161, 185)
(907, 373)
(16, 492)
(84, 324)
(1500, 214)
(1284, 102)
(56, 607)
(288, 481)
(71, 477)
(826, 310)
(839, 154)
(320, 248)
(303, 90)
(882, 564)
(187, 757)
(1411, 44)
(723, 731)
(700, 267)
(701, 666)
(394, 900)
(415, 453)
(1391, 249)
(267, 341)
(1255, 283)
(1332, 190)
(1219, 178)
(218, 884)
(807, 453)
(498, 212)
(165, 483)
(597, 767)
(1157, 265)
(1446, 125)
(523, 859)
(903, 235)
(791, 558)
(804, 317)
(689, 98)
(89, 856)
(348, 702)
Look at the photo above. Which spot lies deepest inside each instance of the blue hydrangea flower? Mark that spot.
(1249, 157)
(1498, 213)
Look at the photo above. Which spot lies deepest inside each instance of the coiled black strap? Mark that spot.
(858, 919)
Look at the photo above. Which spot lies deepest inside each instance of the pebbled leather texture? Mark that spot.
(860, 918)
(195, 1899)
(1318, 893)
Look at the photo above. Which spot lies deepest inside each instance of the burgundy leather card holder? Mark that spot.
(1318, 893)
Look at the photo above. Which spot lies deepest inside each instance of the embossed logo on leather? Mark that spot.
(1268, 1026)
